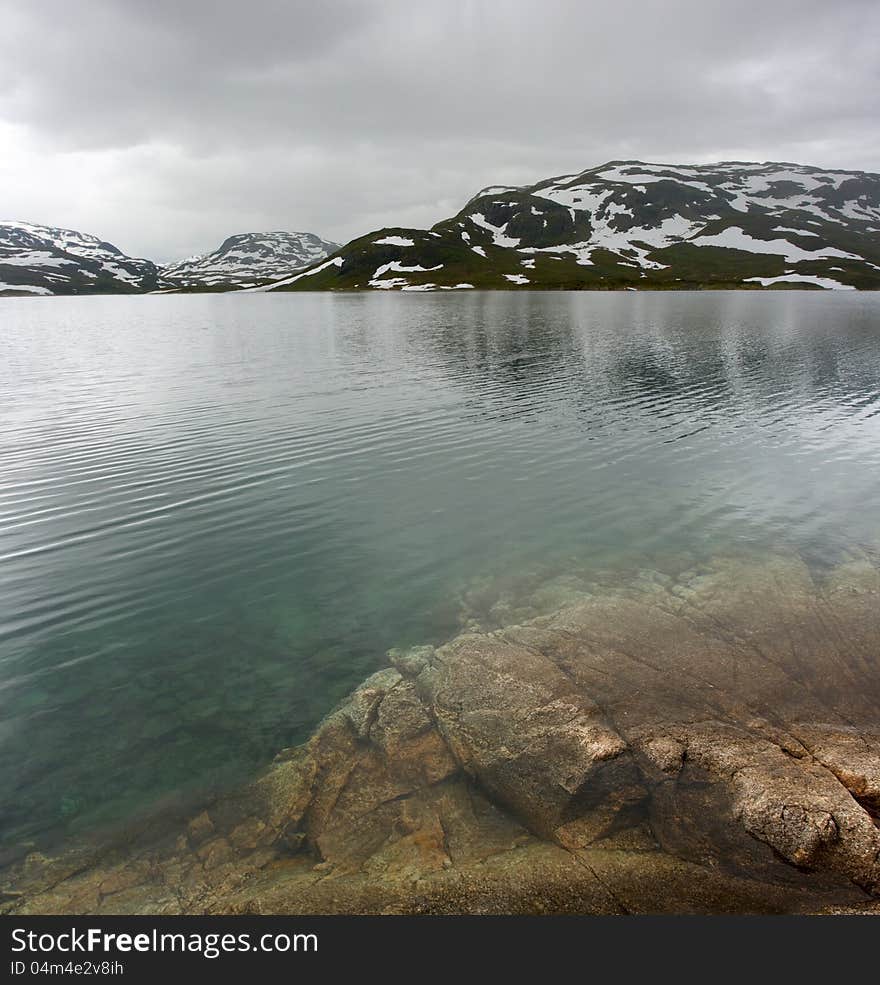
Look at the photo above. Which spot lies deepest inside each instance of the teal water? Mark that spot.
(218, 512)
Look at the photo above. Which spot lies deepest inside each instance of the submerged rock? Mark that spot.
(703, 744)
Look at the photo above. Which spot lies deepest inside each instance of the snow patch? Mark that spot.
(390, 283)
(498, 237)
(334, 262)
(37, 258)
(394, 241)
(395, 266)
(26, 288)
(734, 238)
(401, 268)
(827, 282)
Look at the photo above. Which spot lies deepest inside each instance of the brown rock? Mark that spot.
(702, 744)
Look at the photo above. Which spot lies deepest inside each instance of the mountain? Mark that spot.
(636, 225)
(248, 259)
(45, 260)
(624, 224)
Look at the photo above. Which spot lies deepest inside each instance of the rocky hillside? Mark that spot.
(45, 260)
(248, 259)
(630, 224)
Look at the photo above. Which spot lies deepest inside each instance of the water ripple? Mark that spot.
(217, 513)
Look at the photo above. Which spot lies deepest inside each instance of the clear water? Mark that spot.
(218, 512)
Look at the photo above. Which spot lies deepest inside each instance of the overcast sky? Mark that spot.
(166, 125)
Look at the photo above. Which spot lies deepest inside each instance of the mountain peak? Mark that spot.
(248, 259)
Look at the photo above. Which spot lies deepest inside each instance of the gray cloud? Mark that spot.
(165, 126)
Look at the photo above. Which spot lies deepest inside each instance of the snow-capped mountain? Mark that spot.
(248, 259)
(44, 260)
(631, 224)
(37, 260)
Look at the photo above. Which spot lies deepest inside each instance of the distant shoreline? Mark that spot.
(647, 289)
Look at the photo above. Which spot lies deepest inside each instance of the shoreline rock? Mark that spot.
(710, 744)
